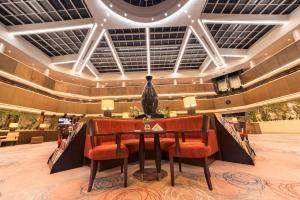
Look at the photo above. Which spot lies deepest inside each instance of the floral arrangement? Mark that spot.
(147, 120)
(134, 111)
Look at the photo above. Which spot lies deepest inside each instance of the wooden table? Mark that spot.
(157, 149)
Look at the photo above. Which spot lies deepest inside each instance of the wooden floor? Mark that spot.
(24, 175)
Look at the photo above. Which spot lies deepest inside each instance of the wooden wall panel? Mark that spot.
(283, 57)
(236, 100)
(7, 64)
(23, 72)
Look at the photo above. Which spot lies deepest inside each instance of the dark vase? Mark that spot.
(149, 98)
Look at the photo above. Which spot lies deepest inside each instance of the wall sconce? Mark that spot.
(107, 106)
(190, 104)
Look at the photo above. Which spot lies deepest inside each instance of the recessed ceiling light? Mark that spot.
(125, 14)
(189, 16)
(179, 5)
(152, 19)
(107, 14)
(110, 5)
(166, 14)
(104, 20)
(102, 25)
(185, 11)
(192, 21)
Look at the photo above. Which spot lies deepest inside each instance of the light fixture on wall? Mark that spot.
(107, 106)
(190, 104)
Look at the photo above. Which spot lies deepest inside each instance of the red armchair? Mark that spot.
(196, 149)
(105, 152)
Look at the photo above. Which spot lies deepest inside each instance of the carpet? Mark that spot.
(24, 175)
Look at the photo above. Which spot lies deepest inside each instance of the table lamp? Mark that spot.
(13, 126)
(190, 104)
(43, 126)
(107, 106)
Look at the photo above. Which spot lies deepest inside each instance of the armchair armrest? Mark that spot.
(118, 142)
(177, 144)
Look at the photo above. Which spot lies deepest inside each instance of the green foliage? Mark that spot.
(279, 111)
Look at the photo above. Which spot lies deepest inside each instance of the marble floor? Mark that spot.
(24, 175)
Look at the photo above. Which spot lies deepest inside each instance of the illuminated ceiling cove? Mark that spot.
(127, 39)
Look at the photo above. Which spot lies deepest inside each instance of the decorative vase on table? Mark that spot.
(150, 101)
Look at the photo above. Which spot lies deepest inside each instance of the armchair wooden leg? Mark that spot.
(94, 164)
(172, 171)
(179, 163)
(122, 166)
(125, 171)
(207, 174)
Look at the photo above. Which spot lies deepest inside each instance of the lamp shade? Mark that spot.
(125, 115)
(13, 125)
(43, 125)
(107, 104)
(189, 102)
(173, 114)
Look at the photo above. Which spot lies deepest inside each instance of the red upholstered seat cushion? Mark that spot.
(165, 143)
(132, 145)
(108, 152)
(191, 150)
(197, 149)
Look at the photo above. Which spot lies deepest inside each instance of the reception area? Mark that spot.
(149, 99)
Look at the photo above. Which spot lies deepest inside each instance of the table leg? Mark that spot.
(157, 155)
(142, 154)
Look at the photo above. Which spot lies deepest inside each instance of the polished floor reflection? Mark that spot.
(24, 175)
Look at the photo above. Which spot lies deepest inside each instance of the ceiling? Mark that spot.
(180, 46)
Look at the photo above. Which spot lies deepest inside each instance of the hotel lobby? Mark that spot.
(150, 99)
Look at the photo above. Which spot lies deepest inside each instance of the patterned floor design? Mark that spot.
(24, 175)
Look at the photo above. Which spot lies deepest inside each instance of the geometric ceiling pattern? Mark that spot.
(238, 36)
(144, 3)
(165, 43)
(194, 54)
(268, 7)
(58, 43)
(130, 50)
(103, 59)
(15, 12)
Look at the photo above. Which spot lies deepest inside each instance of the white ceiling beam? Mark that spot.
(148, 51)
(114, 51)
(206, 40)
(244, 19)
(204, 65)
(92, 69)
(87, 48)
(24, 46)
(212, 43)
(233, 53)
(48, 27)
(185, 41)
(71, 58)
